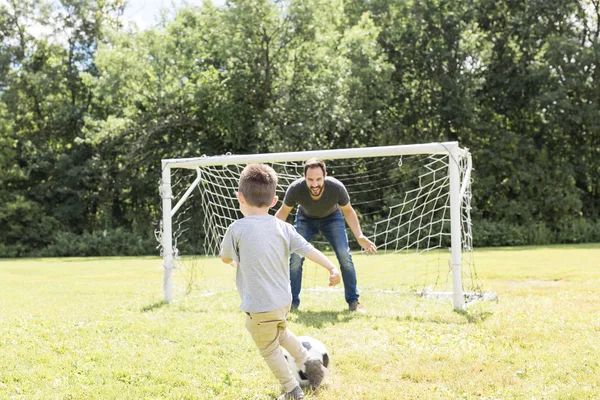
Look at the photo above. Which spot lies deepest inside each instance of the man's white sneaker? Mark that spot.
(356, 306)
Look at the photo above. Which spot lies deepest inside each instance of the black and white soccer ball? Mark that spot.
(316, 350)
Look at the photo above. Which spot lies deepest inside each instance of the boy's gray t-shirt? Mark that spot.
(334, 195)
(261, 245)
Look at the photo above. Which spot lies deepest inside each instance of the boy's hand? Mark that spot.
(334, 277)
(229, 261)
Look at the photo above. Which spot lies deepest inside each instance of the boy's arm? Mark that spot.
(318, 257)
(228, 251)
(299, 245)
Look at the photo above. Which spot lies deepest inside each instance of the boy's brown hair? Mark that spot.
(315, 163)
(258, 183)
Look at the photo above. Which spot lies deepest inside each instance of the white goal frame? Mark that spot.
(457, 191)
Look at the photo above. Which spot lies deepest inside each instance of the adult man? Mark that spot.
(323, 205)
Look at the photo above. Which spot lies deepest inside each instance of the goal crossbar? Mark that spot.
(409, 149)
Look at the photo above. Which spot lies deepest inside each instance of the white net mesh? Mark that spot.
(403, 205)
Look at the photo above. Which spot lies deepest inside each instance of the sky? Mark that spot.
(145, 13)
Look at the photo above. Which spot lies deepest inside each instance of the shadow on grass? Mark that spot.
(561, 246)
(319, 319)
(475, 316)
(154, 306)
(470, 317)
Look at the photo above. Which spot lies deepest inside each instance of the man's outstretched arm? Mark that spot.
(283, 212)
(352, 221)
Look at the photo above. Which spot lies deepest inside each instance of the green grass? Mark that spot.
(98, 329)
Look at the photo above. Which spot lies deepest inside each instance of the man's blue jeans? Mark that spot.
(333, 228)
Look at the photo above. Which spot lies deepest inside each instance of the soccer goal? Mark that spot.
(413, 201)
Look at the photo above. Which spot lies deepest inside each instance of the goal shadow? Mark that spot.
(319, 319)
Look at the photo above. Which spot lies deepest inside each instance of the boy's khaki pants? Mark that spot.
(269, 331)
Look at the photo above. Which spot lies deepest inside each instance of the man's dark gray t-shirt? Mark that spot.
(334, 195)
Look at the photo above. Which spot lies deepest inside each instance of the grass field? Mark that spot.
(97, 329)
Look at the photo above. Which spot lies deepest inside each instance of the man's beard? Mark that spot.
(316, 191)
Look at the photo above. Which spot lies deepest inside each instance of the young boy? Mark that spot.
(259, 245)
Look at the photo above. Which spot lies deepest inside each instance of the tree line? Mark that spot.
(89, 106)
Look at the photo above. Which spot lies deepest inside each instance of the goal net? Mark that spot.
(413, 201)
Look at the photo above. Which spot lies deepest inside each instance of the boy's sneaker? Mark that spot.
(314, 372)
(295, 394)
(356, 306)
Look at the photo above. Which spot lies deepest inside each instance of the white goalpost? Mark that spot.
(414, 202)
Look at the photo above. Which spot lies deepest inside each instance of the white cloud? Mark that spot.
(146, 13)
(143, 13)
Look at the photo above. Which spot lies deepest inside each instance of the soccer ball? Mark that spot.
(316, 350)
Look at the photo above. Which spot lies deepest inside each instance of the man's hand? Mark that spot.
(334, 277)
(368, 246)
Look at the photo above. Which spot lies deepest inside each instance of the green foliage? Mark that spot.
(25, 226)
(88, 109)
(579, 231)
(487, 233)
(99, 243)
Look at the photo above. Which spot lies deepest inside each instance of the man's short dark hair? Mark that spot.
(314, 163)
(258, 183)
